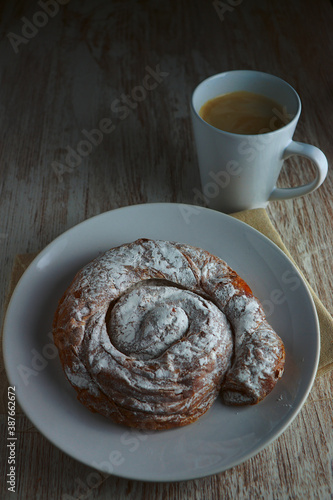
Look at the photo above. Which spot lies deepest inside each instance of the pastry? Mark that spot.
(150, 333)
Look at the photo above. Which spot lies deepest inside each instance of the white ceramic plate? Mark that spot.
(224, 436)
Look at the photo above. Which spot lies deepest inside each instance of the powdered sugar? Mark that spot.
(146, 322)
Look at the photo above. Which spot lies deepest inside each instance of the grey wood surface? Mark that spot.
(66, 73)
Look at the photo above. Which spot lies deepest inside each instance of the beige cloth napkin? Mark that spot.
(259, 219)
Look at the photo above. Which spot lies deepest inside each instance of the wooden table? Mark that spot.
(66, 69)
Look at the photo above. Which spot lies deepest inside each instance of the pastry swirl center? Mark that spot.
(148, 320)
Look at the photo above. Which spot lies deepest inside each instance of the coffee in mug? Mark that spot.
(243, 112)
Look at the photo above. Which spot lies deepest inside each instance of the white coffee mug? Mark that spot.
(240, 171)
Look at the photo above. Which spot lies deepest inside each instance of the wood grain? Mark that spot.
(63, 81)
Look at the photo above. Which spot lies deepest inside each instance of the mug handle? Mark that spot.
(316, 156)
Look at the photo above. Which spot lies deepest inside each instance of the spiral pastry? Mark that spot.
(150, 332)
